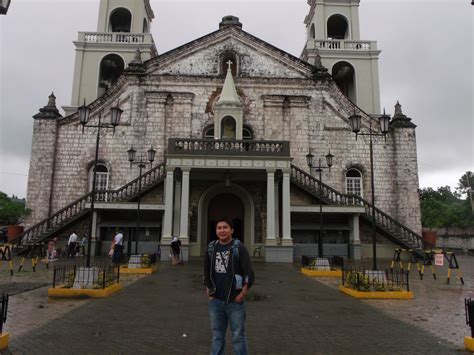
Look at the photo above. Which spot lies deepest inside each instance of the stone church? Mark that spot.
(232, 121)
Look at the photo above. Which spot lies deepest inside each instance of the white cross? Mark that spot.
(229, 63)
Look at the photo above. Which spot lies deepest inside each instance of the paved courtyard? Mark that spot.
(287, 313)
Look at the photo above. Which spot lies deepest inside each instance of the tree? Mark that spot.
(444, 208)
(11, 212)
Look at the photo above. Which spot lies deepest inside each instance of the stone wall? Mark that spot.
(281, 101)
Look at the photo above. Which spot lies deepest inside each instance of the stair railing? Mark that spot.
(124, 193)
(382, 219)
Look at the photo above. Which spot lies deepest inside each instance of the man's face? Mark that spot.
(224, 231)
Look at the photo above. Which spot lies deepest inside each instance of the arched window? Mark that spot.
(354, 182)
(247, 133)
(209, 132)
(228, 127)
(145, 26)
(120, 20)
(343, 74)
(101, 181)
(229, 56)
(312, 31)
(337, 27)
(111, 67)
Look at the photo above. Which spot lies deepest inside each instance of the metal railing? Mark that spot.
(332, 196)
(98, 276)
(4, 309)
(469, 304)
(325, 264)
(372, 280)
(228, 147)
(80, 206)
(142, 261)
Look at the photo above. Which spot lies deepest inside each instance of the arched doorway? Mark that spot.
(230, 206)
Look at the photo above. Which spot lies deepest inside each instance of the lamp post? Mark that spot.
(319, 169)
(84, 112)
(141, 164)
(384, 121)
(4, 5)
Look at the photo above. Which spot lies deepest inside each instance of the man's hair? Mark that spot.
(226, 220)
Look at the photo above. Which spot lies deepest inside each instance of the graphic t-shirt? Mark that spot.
(222, 262)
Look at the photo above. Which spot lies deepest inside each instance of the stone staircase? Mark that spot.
(385, 225)
(81, 207)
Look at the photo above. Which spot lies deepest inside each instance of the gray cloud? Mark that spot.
(426, 63)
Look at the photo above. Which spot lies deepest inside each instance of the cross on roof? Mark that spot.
(229, 63)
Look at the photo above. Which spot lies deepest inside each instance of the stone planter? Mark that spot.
(429, 239)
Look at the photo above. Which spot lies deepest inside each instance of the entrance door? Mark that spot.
(229, 206)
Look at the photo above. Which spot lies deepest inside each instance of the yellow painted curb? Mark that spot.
(323, 273)
(469, 343)
(138, 270)
(4, 337)
(61, 292)
(397, 295)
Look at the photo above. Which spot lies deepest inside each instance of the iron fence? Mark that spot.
(142, 260)
(98, 276)
(4, 302)
(375, 280)
(317, 263)
(469, 304)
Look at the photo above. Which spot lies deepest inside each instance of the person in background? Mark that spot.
(51, 252)
(71, 245)
(118, 248)
(175, 251)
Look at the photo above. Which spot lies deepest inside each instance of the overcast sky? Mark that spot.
(426, 63)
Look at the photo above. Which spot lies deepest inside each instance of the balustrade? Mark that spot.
(115, 37)
(335, 44)
(228, 147)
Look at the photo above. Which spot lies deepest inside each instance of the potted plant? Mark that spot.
(12, 213)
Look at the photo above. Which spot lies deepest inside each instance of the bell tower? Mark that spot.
(332, 31)
(101, 57)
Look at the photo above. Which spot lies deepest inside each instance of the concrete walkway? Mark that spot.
(166, 313)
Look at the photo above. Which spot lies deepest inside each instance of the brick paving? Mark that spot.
(437, 307)
(287, 313)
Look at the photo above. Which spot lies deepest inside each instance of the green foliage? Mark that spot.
(11, 212)
(444, 208)
(466, 182)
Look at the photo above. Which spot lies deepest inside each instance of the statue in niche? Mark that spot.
(228, 128)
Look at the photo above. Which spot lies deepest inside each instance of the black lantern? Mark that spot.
(329, 157)
(115, 112)
(84, 112)
(355, 121)
(131, 154)
(151, 154)
(309, 159)
(384, 122)
(4, 5)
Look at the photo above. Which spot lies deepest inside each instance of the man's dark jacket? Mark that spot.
(237, 265)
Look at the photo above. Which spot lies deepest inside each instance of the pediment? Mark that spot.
(256, 58)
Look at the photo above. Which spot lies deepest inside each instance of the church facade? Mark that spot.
(232, 120)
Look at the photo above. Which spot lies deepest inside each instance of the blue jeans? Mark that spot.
(222, 313)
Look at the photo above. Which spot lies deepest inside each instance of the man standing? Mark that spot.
(228, 275)
(118, 248)
(71, 245)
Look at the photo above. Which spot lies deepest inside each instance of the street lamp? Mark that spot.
(84, 113)
(141, 164)
(319, 169)
(384, 121)
(4, 5)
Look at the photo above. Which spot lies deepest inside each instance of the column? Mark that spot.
(355, 245)
(286, 213)
(168, 220)
(184, 218)
(175, 231)
(270, 208)
(277, 211)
